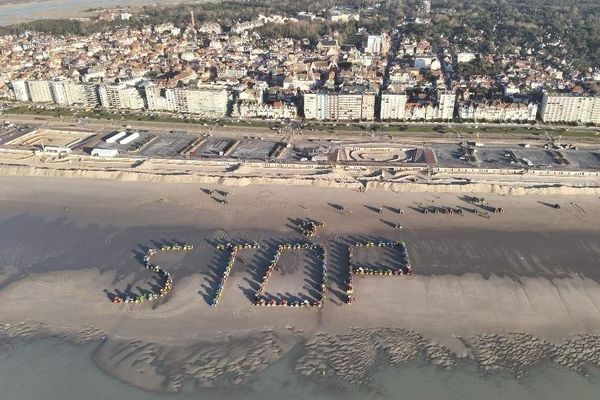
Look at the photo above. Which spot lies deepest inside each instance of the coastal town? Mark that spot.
(208, 69)
(300, 199)
(235, 98)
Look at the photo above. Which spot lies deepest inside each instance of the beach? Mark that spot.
(501, 290)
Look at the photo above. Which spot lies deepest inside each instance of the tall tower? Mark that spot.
(193, 20)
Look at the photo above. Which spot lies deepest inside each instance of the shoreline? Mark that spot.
(36, 10)
(544, 380)
(351, 357)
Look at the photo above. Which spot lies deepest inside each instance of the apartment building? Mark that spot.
(21, 90)
(120, 97)
(368, 107)
(393, 106)
(570, 108)
(378, 44)
(396, 106)
(91, 94)
(349, 107)
(446, 105)
(156, 98)
(331, 106)
(198, 101)
(424, 8)
(465, 57)
(40, 91)
(421, 111)
(320, 106)
(66, 92)
(59, 91)
(497, 111)
(276, 110)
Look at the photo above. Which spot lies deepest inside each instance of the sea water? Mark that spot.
(52, 369)
(24, 11)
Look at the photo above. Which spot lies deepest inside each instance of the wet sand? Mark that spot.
(505, 290)
(29, 369)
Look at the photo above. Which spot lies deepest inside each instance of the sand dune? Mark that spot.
(331, 179)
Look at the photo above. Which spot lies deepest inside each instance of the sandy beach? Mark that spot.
(526, 279)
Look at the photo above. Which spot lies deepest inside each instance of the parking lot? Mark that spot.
(308, 151)
(168, 145)
(253, 149)
(494, 157)
(536, 157)
(448, 155)
(588, 160)
(499, 157)
(8, 135)
(213, 147)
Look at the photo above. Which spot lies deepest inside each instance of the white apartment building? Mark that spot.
(339, 106)
(423, 61)
(40, 91)
(465, 57)
(424, 8)
(255, 109)
(246, 26)
(66, 92)
(120, 97)
(344, 16)
(396, 107)
(521, 112)
(316, 106)
(378, 44)
(497, 111)
(198, 101)
(368, 107)
(21, 90)
(210, 28)
(570, 108)
(59, 91)
(156, 98)
(92, 95)
(393, 106)
(421, 112)
(349, 107)
(446, 105)
(62, 91)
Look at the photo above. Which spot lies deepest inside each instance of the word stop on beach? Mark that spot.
(398, 265)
